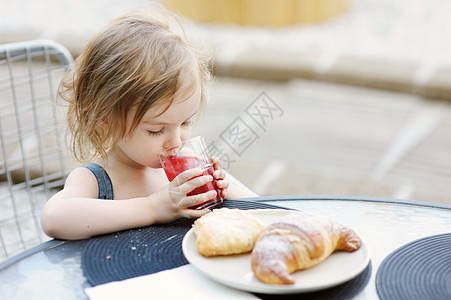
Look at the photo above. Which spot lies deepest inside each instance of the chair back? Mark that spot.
(33, 158)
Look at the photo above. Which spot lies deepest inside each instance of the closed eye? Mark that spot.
(155, 133)
(188, 122)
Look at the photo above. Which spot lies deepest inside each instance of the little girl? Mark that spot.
(134, 91)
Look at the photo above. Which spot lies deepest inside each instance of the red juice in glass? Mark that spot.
(176, 165)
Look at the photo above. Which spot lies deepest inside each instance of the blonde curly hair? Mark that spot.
(136, 61)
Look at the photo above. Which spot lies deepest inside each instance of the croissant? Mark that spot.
(226, 231)
(298, 242)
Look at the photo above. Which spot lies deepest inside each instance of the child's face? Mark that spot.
(157, 132)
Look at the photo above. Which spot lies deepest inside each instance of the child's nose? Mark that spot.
(172, 141)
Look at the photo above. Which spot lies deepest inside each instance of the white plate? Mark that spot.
(235, 270)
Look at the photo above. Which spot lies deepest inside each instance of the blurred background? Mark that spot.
(337, 97)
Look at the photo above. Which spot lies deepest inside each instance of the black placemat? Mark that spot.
(418, 270)
(148, 250)
(347, 290)
(143, 251)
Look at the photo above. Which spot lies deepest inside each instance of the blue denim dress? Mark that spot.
(103, 180)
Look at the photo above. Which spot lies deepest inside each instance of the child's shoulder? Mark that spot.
(80, 182)
(81, 176)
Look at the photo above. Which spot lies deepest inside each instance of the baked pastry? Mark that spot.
(226, 231)
(299, 241)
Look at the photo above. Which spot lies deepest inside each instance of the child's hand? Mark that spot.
(172, 201)
(220, 175)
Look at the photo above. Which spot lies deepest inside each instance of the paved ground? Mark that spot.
(319, 138)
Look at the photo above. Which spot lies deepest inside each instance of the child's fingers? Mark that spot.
(196, 182)
(195, 213)
(199, 199)
(187, 175)
(215, 162)
(219, 174)
(222, 184)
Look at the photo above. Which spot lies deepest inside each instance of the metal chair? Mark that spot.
(33, 159)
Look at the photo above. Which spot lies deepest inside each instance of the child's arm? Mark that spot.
(234, 192)
(75, 213)
(228, 189)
